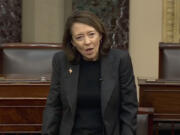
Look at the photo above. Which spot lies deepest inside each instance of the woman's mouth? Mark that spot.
(89, 51)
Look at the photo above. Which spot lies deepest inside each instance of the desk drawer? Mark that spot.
(21, 114)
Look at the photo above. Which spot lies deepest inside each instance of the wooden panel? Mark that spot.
(22, 101)
(21, 114)
(163, 96)
(15, 128)
(22, 90)
(21, 105)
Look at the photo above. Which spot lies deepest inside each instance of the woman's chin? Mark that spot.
(90, 58)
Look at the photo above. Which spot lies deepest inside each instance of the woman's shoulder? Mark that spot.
(60, 57)
(119, 52)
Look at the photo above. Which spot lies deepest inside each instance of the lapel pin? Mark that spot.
(70, 71)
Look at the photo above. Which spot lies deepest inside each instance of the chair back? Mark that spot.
(169, 61)
(27, 58)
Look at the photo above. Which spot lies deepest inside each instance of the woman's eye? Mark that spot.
(79, 38)
(91, 34)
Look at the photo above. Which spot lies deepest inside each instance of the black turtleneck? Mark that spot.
(88, 120)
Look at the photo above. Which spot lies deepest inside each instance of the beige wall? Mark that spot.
(28, 16)
(43, 21)
(145, 34)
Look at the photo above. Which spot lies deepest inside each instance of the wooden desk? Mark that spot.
(21, 105)
(163, 96)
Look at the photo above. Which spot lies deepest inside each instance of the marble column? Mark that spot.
(10, 21)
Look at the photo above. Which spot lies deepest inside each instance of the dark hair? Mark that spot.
(90, 19)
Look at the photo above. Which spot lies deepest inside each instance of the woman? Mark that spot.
(92, 90)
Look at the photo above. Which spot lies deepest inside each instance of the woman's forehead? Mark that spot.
(78, 28)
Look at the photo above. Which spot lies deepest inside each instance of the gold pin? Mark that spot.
(70, 71)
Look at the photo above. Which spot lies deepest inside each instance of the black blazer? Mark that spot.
(118, 95)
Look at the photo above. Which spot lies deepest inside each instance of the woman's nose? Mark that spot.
(87, 40)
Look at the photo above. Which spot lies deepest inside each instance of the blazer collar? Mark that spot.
(107, 83)
(108, 80)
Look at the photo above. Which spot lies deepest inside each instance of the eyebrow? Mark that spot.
(83, 34)
(78, 35)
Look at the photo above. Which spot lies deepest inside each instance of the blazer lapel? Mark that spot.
(72, 85)
(107, 84)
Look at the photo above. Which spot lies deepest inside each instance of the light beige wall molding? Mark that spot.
(177, 21)
(171, 21)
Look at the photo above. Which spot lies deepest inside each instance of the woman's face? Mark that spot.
(86, 40)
